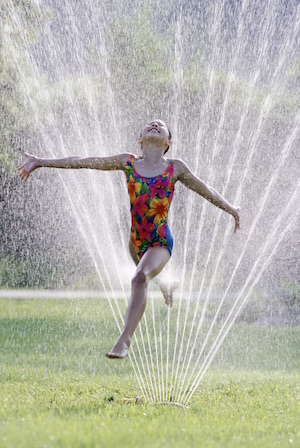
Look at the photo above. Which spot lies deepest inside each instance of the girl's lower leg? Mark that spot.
(134, 313)
(150, 265)
(167, 288)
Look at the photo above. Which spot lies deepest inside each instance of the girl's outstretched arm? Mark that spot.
(190, 180)
(116, 162)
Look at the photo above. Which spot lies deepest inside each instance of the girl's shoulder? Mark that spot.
(129, 162)
(180, 167)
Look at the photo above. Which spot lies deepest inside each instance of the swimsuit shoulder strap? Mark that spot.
(171, 165)
(129, 165)
(130, 159)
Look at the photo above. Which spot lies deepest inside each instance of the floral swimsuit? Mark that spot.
(150, 199)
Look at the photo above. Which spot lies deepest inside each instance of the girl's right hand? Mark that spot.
(30, 165)
(236, 216)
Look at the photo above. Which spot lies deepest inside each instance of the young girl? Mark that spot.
(150, 179)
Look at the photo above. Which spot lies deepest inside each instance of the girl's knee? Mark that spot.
(140, 279)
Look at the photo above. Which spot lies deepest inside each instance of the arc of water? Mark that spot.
(156, 350)
(82, 232)
(263, 201)
(220, 338)
(134, 365)
(285, 152)
(214, 236)
(233, 157)
(266, 107)
(117, 270)
(111, 102)
(91, 232)
(157, 376)
(36, 71)
(88, 243)
(167, 354)
(261, 54)
(228, 86)
(286, 51)
(90, 246)
(218, 11)
(178, 80)
(210, 286)
(202, 221)
(161, 358)
(104, 217)
(256, 273)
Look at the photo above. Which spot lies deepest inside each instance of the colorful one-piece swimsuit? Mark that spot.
(150, 199)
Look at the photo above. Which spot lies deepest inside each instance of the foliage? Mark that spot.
(26, 102)
(139, 65)
(20, 25)
(291, 294)
(18, 273)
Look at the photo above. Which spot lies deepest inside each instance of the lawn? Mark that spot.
(59, 390)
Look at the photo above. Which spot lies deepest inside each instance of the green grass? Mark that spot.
(58, 390)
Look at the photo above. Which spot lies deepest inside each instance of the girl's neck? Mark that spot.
(152, 155)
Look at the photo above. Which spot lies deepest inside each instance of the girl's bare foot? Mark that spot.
(119, 350)
(167, 289)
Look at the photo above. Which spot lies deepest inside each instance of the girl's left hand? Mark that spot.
(28, 166)
(236, 218)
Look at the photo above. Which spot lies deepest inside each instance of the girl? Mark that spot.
(150, 179)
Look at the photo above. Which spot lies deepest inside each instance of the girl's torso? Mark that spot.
(155, 185)
(150, 200)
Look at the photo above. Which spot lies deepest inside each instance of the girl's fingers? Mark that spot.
(237, 225)
(23, 174)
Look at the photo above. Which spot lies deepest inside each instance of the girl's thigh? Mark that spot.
(153, 261)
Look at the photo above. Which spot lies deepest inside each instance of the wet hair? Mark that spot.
(170, 136)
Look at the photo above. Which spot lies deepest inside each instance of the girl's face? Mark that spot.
(155, 130)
